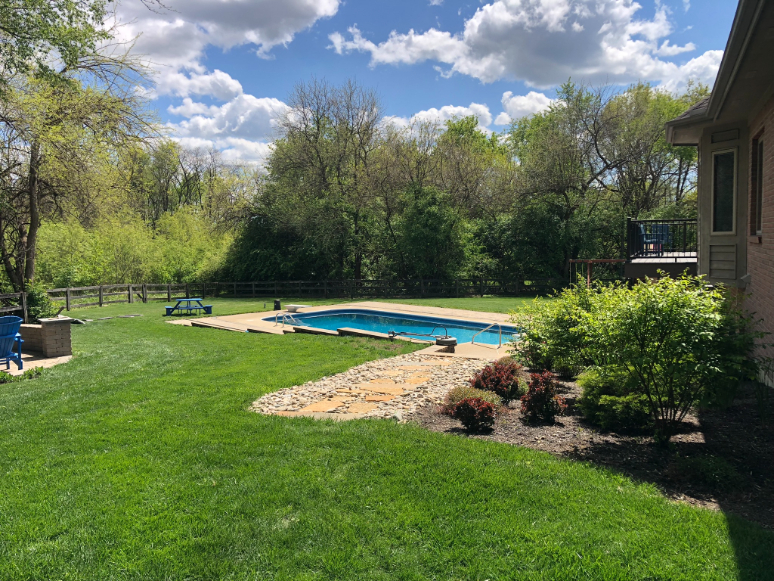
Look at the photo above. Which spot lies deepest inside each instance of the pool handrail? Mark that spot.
(473, 340)
(285, 318)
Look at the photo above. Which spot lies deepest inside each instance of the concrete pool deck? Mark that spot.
(254, 323)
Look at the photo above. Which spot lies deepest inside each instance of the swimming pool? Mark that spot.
(384, 322)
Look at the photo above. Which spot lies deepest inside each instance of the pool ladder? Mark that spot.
(473, 340)
(287, 318)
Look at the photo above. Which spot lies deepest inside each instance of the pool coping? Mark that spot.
(254, 323)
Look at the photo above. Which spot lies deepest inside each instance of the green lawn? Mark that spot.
(138, 460)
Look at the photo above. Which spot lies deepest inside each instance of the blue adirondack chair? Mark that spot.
(10, 341)
(663, 236)
(653, 242)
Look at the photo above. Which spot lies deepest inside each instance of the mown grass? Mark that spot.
(139, 460)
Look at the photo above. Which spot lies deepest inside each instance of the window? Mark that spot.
(723, 190)
(758, 152)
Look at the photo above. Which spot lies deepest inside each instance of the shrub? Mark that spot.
(552, 336)
(679, 341)
(610, 401)
(461, 392)
(33, 373)
(39, 306)
(501, 378)
(541, 402)
(475, 414)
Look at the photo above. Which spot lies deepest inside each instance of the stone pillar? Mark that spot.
(55, 337)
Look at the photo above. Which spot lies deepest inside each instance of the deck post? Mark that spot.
(67, 299)
(131, 294)
(187, 291)
(685, 237)
(252, 288)
(169, 291)
(24, 305)
(100, 295)
(144, 293)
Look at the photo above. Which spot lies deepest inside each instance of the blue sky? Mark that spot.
(226, 67)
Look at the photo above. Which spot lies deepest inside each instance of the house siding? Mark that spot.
(723, 256)
(760, 249)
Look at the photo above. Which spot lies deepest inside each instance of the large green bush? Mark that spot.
(611, 401)
(674, 342)
(552, 337)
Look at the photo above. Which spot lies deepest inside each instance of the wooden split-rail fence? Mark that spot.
(14, 303)
(108, 294)
(89, 296)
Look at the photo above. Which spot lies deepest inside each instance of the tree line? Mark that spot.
(350, 194)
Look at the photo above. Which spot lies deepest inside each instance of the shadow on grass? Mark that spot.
(721, 460)
(724, 462)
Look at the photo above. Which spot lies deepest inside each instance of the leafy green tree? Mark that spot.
(58, 145)
(563, 166)
(431, 235)
(654, 174)
(39, 35)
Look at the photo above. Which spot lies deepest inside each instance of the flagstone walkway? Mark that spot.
(385, 388)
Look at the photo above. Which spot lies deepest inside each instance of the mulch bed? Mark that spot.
(721, 459)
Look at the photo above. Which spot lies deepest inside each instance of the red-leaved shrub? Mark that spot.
(501, 377)
(475, 414)
(541, 402)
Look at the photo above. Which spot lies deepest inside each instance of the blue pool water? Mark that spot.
(384, 322)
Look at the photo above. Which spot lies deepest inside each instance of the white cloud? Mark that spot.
(449, 112)
(517, 106)
(436, 2)
(667, 49)
(445, 113)
(188, 108)
(233, 150)
(245, 117)
(541, 42)
(177, 35)
(703, 68)
(174, 39)
(216, 84)
(244, 150)
(687, 5)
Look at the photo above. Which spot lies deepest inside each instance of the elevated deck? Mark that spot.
(660, 245)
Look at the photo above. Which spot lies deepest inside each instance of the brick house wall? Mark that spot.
(760, 249)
